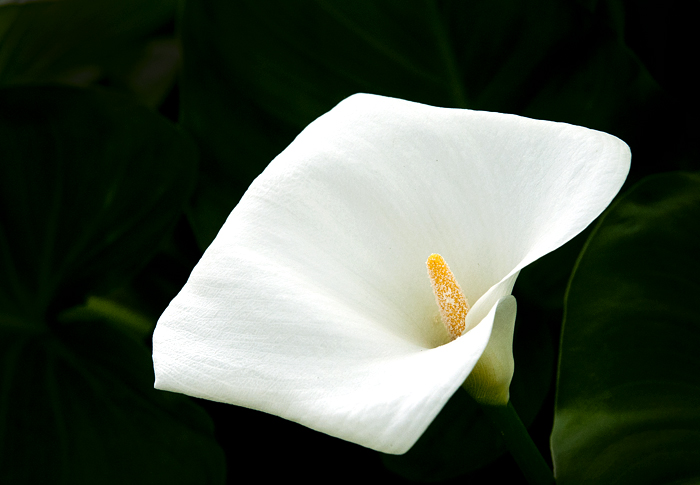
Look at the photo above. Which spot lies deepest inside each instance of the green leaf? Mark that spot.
(462, 439)
(73, 41)
(77, 406)
(90, 184)
(629, 379)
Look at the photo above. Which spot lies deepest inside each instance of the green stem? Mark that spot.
(519, 443)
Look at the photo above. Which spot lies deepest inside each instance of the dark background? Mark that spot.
(130, 129)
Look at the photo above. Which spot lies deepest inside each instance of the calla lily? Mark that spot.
(314, 303)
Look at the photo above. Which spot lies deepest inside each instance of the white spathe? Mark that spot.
(313, 302)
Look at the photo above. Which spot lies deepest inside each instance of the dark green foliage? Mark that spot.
(75, 41)
(77, 406)
(90, 185)
(95, 184)
(629, 376)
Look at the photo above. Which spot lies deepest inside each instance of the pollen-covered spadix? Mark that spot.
(448, 296)
(313, 304)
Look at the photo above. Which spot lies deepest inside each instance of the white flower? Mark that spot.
(314, 303)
